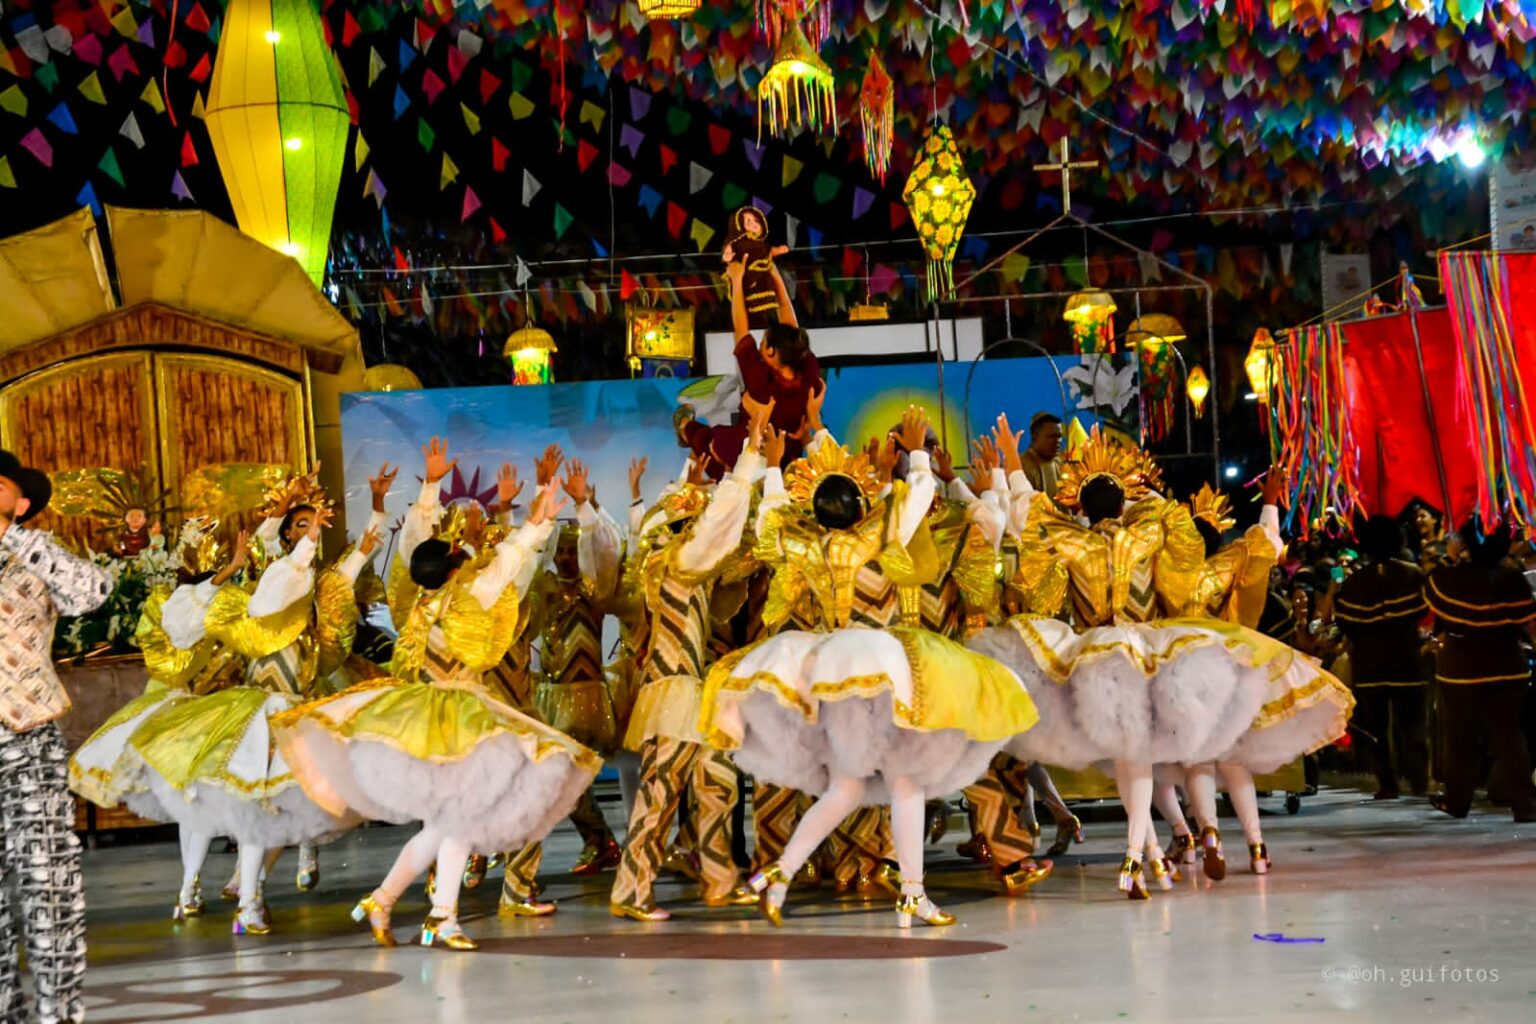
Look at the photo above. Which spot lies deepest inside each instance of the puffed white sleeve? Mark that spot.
(718, 530)
(353, 564)
(269, 533)
(775, 496)
(1020, 494)
(182, 614)
(515, 559)
(285, 582)
(922, 486)
(988, 512)
(599, 548)
(1269, 519)
(420, 520)
(636, 519)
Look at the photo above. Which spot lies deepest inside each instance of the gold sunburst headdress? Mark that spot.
(806, 473)
(686, 501)
(1127, 465)
(198, 550)
(1212, 506)
(302, 489)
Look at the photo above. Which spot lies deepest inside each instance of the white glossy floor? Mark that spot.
(1420, 918)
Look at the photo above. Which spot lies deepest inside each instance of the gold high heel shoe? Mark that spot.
(741, 896)
(976, 849)
(1066, 835)
(252, 920)
(630, 912)
(309, 869)
(1183, 849)
(1258, 858)
(445, 931)
(1026, 876)
(1164, 873)
(1210, 850)
(192, 906)
(1130, 882)
(762, 884)
(377, 915)
(922, 908)
(810, 874)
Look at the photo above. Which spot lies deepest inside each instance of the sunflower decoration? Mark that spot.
(939, 196)
(1129, 466)
(1212, 506)
(806, 473)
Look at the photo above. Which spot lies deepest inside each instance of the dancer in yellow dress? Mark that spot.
(432, 743)
(853, 714)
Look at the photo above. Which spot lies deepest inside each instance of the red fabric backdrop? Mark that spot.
(1391, 424)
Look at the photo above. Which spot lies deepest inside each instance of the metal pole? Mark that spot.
(1210, 351)
(1429, 410)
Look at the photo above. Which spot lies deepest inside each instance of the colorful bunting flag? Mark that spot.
(471, 119)
(499, 155)
(13, 100)
(425, 136)
(108, 166)
(450, 173)
(792, 169)
(359, 152)
(676, 218)
(698, 178)
(701, 234)
(61, 119)
(7, 177)
(531, 187)
(562, 221)
(521, 106)
(34, 143)
(471, 203)
(90, 88)
(179, 188)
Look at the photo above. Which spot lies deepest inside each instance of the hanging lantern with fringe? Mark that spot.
(1091, 315)
(1197, 386)
(774, 15)
(877, 112)
(390, 377)
(1259, 365)
(797, 90)
(939, 197)
(528, 349)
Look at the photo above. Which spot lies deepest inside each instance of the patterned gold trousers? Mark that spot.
(995, 799)
(41, 858)
(523, 866)
(776, 810)
(667, 767)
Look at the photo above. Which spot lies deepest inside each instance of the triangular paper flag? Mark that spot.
(90, 88)
(188, 151)
(471, 119)
(375, 65)
(489, 83)
(87, 197)
(498, 233)
(471, 203)
(792, 169)
(698, 177)
(650, 199)
(499, 154)
(862, 201)
(593, 115)
(359, 152)
(63, 120)
(826, 188)
(375, 188)
(668, 158)
(179, 187)
(676, 218)
(124, 23)
(402, 102)
(151, 95)
(585, 154)
(425, 135)
(701, 234)
(108, 166)
(450, 173)
(521, 106)
(639, 104)
(432, 86)
(678, 121)
(732, 196)
(719, 139)
(14, 101)
(523, 274)
(7, 179)
(618, 176)
(754, 151)
(198, 110)
(531, 187)
(562, 221)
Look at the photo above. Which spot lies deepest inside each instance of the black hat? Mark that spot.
(33, 484)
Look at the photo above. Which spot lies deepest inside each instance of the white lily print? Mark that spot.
(1099, 385)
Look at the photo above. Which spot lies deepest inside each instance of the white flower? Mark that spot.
(1099, 385)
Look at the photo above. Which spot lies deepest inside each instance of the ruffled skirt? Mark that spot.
(1174, 691)
(798, 708)
(97, 771)
(448, 755)
(208, 763)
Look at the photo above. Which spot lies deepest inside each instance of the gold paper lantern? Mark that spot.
(939, 197)
(867, 312)
(1260, 363)
(528, 349)
(1089, 306)
(1154, 329)
(1197, 386)
(658, 9)
(798, 88)
(278, 120)
(390, 377)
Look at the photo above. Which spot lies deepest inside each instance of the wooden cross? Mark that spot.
(1066, 166)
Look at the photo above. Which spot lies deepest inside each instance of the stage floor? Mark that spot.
(1392, 910)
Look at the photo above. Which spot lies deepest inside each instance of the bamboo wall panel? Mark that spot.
(93, 412)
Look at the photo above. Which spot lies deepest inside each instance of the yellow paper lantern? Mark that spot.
(1197, 387)
(390, 377)
(939, 197)
(657, 9)
(277, 116)
(798, 88)
(1154, 329)
(528, 349)
(1260, 363)
(1089, 306)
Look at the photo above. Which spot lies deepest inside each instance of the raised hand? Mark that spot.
(474, 526)
(728, 254)
(1007, 441)
(913, 433)
(508, 486)
(321, 520)
(774, 442)
(637, 468)
(777, 251)
(438, 463)
(379, 485)
(549, 505)
(241, 556)
(943, 465)
(1274, 485)
(735, 271)
(886, 460)
(576, 482)
(548, 465)
(370, 542)
(813, 403)
(696, 475)
(759, 423)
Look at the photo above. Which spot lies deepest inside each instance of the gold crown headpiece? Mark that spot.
(688, 501)
(1212, 506)
(806, 473)
(1127, 465)
(197, 546)
(301, 490)
(456, 519)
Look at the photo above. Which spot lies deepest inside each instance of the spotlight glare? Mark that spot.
(1471, 153)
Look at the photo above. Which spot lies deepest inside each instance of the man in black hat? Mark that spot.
(39, 581)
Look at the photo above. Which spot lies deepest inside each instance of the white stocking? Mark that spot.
(1166, 800)
(841, 799)
(194, 850)
(250, 860)
(452, 856)
(1245, 800)
(907, 821)
(1134, 781)
(414, 858)
(1200, 781)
